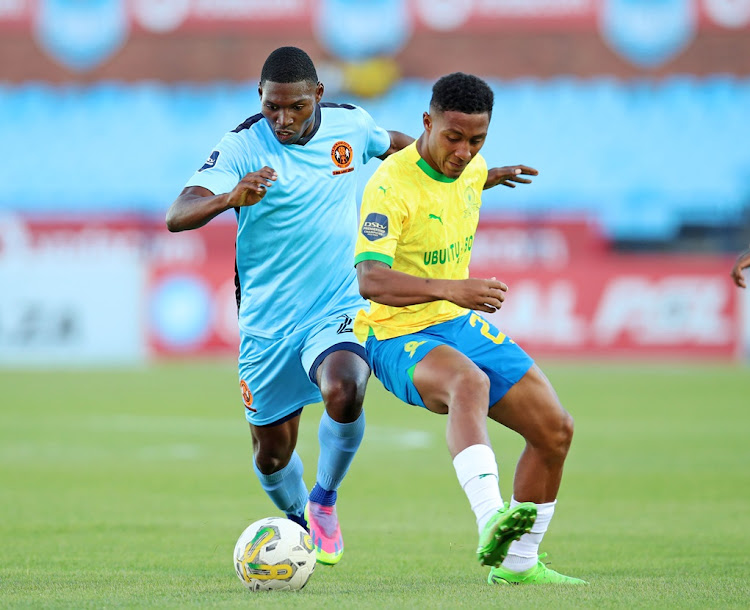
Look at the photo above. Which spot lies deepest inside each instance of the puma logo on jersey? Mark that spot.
(436, 217)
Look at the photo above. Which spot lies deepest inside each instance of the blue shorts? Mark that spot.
(501, 359)
(278, 375)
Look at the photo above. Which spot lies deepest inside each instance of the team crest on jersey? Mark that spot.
(211, 161)
(342, 153)
(472, 202)
(247, 396)
(375, 226)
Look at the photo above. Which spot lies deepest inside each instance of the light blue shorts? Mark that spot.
(502, 360)
(278, 375)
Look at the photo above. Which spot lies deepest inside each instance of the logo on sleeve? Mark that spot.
(375, 226)
(211, 161)
(341, 154)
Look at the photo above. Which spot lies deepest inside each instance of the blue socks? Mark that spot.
(286, 488)
(338, 444)
(323, 496)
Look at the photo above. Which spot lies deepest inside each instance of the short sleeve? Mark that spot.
(224, 167)
(378, 139)
(381, 221)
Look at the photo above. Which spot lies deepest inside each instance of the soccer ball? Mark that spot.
(274, 554)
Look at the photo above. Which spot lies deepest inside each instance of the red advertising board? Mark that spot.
(192, 310)
(569, 295)
(190, 301)
(656, 306)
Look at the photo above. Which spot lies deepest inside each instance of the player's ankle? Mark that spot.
(323, 496)
(299, 519)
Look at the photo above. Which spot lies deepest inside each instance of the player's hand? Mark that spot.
(742, 262)
(479, 294)
(508, 175)
(252, 188)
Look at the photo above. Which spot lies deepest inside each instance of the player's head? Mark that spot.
(289, 93)
(457, 123)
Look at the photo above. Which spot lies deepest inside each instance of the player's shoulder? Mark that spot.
(480, 161)
(395, 175)
(400, 163)
(249, 125)
(344, 113)
(252, 134)
(341, 109)
(335, 106)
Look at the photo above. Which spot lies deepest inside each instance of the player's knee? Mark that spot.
(472, 384)
(343, 398)
(272, 460)
(565, 431)
(559, 435)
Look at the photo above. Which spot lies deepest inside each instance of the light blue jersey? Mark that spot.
(296, 246)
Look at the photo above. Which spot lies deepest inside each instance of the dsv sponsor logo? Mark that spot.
(371, 225)
(375, 226)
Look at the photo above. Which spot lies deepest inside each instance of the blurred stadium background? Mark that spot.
(635, 112)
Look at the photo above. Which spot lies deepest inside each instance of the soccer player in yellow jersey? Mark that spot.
(427, 341)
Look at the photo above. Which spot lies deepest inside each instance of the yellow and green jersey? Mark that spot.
(418, 221)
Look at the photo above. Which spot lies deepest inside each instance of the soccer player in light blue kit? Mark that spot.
(290, 174)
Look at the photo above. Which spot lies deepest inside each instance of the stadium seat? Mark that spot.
(642, 157)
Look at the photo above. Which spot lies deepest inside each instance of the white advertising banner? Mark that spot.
(66, 304)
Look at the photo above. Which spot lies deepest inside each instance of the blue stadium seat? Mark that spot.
(642, 157)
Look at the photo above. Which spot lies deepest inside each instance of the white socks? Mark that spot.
(476, 469)
(524, 553)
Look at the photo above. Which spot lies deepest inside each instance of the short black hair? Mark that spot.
(288, 65)
(461, 92)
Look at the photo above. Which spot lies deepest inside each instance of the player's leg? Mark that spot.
(279, 467)
(342, 378)
(449, 382)
(531, 408)
(275, 387)
(340, 370)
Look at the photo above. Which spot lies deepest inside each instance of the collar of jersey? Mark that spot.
(434, 174)
(316, 126)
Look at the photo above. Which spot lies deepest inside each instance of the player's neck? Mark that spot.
(425, 153)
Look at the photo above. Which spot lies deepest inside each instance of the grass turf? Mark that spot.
(128, 488)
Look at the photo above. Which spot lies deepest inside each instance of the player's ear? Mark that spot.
(260, 90)
(427, 121)
(319, 92)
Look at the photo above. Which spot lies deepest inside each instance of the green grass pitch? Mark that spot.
(129, 488)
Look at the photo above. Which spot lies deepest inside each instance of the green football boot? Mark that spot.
(505, 526)
(540, 574)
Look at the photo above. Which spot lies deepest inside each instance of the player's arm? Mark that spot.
(379, 283)
(742, 262)
(398, 141)
(196, 205)
(508, 175)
